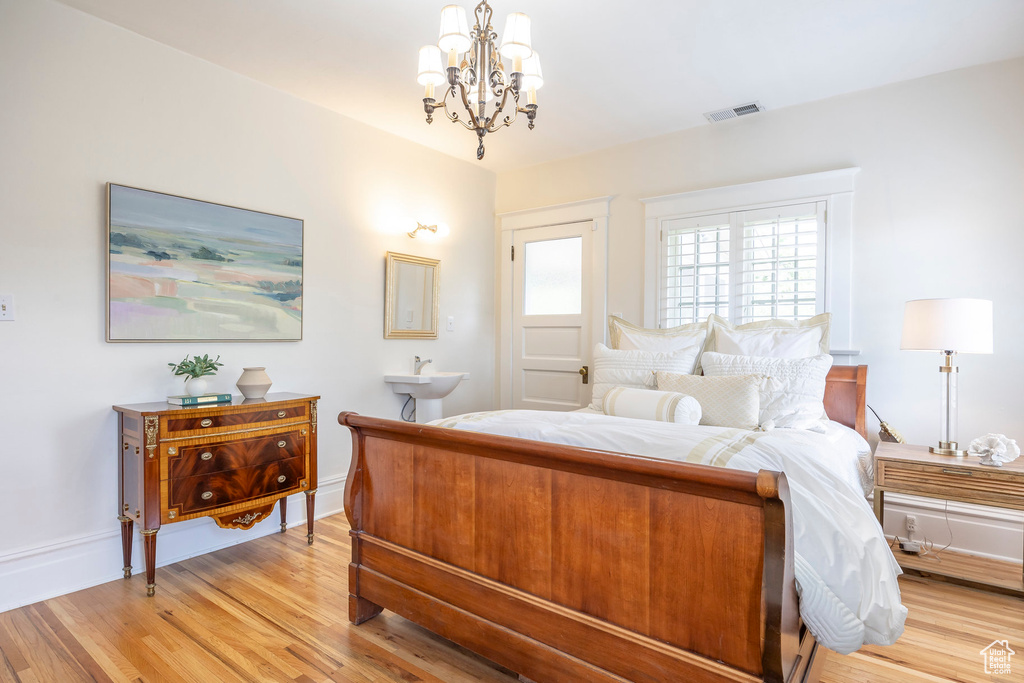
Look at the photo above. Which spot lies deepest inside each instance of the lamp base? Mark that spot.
(947, 448)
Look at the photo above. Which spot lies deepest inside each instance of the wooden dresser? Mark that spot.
(231, 461)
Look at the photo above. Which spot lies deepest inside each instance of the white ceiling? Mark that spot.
(614, 71)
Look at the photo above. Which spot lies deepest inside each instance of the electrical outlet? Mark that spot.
(6, 307)
(911, 524)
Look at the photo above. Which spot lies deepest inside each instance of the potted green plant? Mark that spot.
(195, 370)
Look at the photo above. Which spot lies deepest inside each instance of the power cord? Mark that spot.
(412, 416)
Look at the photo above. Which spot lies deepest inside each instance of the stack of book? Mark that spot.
(203, 399)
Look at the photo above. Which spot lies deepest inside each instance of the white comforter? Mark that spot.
(845, 572)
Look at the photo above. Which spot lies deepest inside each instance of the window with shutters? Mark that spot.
(746, 266)
(783, 252)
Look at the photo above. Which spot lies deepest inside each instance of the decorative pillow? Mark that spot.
(635, 369)
(724, 401)
(793, 394)
(771, 338)
(626, 336)
(644, 404)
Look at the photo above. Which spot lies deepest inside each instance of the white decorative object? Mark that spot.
(629, 337)
(644, 404)
(793, 394)
(772, 338)
(254, 382)
(724, 401)
(634, 369)
(196, 386)
(994, 449)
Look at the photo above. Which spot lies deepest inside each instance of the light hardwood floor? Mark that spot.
(275, 609)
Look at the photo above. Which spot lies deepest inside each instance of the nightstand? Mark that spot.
(913, 470)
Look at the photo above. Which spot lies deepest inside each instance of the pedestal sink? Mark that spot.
(426, 390)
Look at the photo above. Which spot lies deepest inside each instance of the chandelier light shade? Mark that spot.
(431, 71)
(515, 41)
(454, 33)
(476, 78)
(949, 326)
(533, 77)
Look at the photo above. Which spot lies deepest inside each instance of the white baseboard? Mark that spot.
(989, 532)
(44, 572)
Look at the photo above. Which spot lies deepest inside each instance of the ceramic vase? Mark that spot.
(195, 386)
(254, 382)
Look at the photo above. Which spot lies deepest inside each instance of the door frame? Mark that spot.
(594, 211)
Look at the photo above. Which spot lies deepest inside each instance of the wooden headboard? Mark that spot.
(846, 395)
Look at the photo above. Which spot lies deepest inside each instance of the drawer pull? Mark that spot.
(206, 495)
(207, 455)
(206, 422)
(282, 444)
(281, 413)
(282, 479)
(962, 473)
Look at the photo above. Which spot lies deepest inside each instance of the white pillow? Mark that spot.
(626, 336)
(644, 404)
(635, 369)
(724, 401)
(792, 396)
(771, 338)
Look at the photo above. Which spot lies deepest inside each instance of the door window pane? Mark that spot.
(553, 277)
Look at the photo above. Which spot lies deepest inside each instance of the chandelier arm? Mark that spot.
(465, 103)
(453, 116)
(508, 120)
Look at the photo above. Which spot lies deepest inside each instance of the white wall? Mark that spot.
(938, 212)
(84, 103)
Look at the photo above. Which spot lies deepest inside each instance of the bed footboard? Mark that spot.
(567, 564)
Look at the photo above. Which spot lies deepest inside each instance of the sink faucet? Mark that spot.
(419, 365)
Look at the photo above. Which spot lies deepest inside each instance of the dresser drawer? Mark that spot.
(953, 482)
(256, 417)
(208, 458)
(204, 492)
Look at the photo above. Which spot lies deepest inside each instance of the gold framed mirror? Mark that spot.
(410, 297)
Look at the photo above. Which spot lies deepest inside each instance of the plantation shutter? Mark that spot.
(695, 269)
(746, 266)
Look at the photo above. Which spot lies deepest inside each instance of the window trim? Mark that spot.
(835, 188)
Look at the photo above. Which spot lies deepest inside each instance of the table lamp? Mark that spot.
(950, 326)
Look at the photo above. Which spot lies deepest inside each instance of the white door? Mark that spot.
(551, 317)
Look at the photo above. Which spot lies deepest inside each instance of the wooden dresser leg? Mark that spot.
(310, 495)
(127, 529)
(284, 514)
(149, 541)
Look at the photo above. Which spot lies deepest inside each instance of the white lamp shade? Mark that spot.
(454, 34)
(515, 41)
(430, 72)
(533, 77)
(961, 325)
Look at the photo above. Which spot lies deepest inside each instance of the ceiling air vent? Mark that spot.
(733, 112)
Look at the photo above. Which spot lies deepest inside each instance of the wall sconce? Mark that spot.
(435, 231)
(420, 226)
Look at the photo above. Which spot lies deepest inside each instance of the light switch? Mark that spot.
(451, 323)
(6, 307)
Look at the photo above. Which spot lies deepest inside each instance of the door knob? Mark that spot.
(585, 371)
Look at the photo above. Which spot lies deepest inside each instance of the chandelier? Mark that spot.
(481, 75)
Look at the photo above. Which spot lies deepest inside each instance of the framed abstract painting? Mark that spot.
(186, 270)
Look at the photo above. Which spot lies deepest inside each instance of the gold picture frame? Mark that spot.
(411, 289)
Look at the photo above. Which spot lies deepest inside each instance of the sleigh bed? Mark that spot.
(557, 562)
